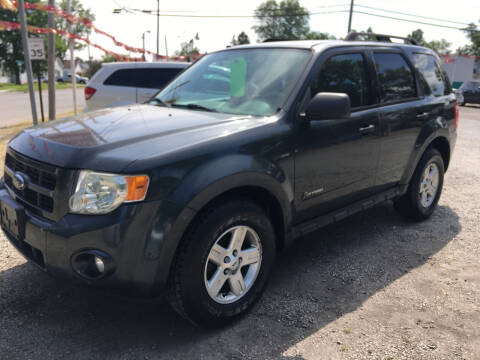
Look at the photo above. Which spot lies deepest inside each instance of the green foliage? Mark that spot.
(241, 39)
(316, 35)
(188, 48)
(11, 49)
(473, 49)
(286, 20)
(77, 9)
(440, 46)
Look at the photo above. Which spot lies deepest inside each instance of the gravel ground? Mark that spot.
(371, 287)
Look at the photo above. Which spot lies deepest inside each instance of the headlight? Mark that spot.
(101, 193)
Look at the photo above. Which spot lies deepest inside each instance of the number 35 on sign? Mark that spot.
(37, 50)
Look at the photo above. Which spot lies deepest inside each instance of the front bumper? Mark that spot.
(140, 239)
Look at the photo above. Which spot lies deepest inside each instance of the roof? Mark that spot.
(322, 44)
(144, 64)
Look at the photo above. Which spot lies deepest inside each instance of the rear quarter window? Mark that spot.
(151, 78)
(432, 76)
(395, 77)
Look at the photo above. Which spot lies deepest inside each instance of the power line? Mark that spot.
(407, 14)
(149, 12)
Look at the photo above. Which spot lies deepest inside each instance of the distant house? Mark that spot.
(80, 67)
(5, 77)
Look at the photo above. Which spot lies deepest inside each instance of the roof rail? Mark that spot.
(352, 36)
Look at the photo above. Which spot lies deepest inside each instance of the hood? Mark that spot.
(111, 139)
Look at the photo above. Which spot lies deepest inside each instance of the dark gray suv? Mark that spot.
(246, 151)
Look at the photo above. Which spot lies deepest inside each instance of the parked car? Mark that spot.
(116, 84)
(470, 92)
(252, 147)
(68, 78)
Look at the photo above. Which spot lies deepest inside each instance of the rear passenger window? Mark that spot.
(344, 74)
(395, 77)
(123, 77)
(431, 75)
(151, 78)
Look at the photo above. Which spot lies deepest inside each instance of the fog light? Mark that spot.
(100, 265)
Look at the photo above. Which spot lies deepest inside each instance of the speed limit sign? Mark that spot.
(37, 50)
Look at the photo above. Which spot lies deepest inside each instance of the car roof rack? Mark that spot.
(353, 36)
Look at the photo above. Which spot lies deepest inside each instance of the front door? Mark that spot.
(336, 160)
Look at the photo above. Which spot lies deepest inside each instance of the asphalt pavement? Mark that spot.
(15, 106)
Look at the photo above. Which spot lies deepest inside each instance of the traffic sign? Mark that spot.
(37, 49)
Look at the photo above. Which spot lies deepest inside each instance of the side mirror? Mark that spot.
(328, 106)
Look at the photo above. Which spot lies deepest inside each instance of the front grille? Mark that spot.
(40, 185)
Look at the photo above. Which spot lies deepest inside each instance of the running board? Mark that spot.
(337, 215)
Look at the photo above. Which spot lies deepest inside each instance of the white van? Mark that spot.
(118, 83)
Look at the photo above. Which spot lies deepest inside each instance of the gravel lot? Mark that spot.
(371, 287)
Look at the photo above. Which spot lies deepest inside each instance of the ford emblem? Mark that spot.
(19, 182)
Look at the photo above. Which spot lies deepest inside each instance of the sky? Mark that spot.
(216, 33)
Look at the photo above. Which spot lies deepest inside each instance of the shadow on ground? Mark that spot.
(327, 274)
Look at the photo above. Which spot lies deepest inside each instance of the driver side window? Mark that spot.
(345, 73)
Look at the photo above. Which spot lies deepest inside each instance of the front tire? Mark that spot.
(222, 264)
(424, 189)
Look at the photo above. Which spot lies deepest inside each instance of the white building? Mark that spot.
(461, 68)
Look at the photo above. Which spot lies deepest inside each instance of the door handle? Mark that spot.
(422, 115)
(366, 129)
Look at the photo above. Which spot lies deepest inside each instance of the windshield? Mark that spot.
(244, 82)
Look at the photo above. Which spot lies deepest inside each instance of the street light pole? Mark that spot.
(143, 40)
(28, 64)
(350, 17)
(158, 26)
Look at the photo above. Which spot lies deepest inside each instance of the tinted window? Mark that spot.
(395, 77)
(144, 78)
(123, 77)
(344, 74)
(431, 75)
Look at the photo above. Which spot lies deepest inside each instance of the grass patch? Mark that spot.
(24, 87)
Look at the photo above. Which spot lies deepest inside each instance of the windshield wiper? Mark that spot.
(195, 107)
(160, 101)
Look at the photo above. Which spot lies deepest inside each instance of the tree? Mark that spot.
(473, 49)
(241, 39)
(95, 65)
(188, 48)
(316, 35)
(61, 43)
(11, 49)
(286, 20)
(440, 46)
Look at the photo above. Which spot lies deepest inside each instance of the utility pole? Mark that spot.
(51, 64)
(72, 62)
(158, 26)
(166, 47)
(350, 17)
(143, 41)
(28, 64)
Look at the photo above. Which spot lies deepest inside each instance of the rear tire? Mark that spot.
(223, 264)
(425, 188)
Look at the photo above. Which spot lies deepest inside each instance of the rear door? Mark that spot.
(150, 80)
(336, 160)
(402, 114)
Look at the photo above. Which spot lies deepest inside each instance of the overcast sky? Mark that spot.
(216, 33)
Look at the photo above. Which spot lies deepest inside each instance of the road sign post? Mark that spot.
(37, 52)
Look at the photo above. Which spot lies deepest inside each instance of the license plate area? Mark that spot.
(12, 217)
